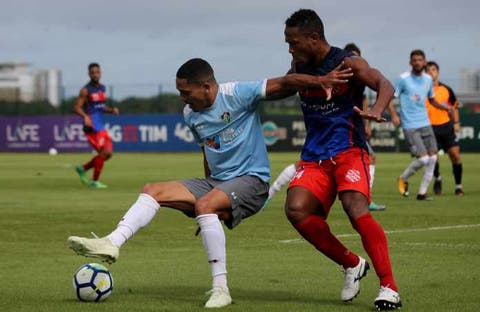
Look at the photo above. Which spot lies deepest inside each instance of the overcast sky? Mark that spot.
(141, 43)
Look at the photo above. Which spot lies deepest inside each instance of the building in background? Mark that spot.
(21, 82)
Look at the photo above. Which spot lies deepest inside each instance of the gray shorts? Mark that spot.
(421, 140)
(247, 194)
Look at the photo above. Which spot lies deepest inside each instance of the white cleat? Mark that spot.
(101, 248)
(353, 276)
(387, 299)
(219, 298)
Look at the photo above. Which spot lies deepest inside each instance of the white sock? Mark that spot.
(285, 176)
(427, 174)
(372, 175)
(213, 238)
(414, 166)
(138, 216)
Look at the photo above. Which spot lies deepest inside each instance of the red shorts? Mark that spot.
(100, 140)
(347, 171)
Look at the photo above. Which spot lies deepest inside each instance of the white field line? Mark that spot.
(434, 228)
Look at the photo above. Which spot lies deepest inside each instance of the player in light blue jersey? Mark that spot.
(225, 120)
(412, 89)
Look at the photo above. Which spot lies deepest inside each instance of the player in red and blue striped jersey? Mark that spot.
(91, 105)
(334, 159)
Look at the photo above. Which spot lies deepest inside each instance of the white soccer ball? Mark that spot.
(92, 282)
(52, 151)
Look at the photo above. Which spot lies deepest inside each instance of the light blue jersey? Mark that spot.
(231, 133)
(413, 90)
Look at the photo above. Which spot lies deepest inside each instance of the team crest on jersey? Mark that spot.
(226, 117)
(353, 175)
(213, 142)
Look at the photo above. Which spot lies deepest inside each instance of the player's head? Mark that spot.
(352, 47)
(94, 72)
(196, 84)
(417, 61)
(433, 70)
(304, 33)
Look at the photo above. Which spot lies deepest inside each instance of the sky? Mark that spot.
(140, 44)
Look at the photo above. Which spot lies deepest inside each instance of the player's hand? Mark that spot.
(115, 111)
(370, 115)
(87, 122)
(337, 76)
(457, 127)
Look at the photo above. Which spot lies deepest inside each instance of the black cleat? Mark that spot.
(424, 197)
(459, 192)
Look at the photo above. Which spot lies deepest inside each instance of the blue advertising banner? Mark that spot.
(65, 133)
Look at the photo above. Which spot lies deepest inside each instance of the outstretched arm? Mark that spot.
(375, 80)
(296, 82)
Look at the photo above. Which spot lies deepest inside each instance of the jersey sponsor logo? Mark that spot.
(226, 117)
(97, 97)
(353, 175)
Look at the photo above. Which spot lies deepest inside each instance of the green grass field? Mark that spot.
(435, 246)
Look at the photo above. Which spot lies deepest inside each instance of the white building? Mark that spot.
(20, 82)
(469, 81)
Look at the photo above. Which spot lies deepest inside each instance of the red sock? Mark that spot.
(375, 244)
(98, 165)
(315, 230)
(89, 164)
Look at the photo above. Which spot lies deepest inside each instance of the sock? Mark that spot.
(213, 238)
(89, 164)
(376, 246)
(285, 176)
(457, 173)
(138, 216)
(372, 175)
(414, 166)
(427, 174)
(436, 172)
(317, 232)
(98, 162)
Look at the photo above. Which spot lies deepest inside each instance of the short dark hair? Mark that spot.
(92, 65)
(417, 52)
(352, 47)
(195, 70)
(306, 20)
(432, 63)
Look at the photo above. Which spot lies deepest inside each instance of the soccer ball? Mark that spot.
(92, 282)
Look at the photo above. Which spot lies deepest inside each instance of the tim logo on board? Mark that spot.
(23, 136)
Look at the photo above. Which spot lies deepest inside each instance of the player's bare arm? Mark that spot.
(373, 79)
(442, 106)
(78, 108)
(296, 82)
(111, 110)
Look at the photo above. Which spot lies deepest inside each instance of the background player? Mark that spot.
(335, 160)
(225, 120)
(444, 126)
(91, 105)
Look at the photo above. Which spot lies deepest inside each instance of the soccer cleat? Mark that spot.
(353, 276)
(81, 172)
(219, 297)
(97, 184)
(459, 192)
(402, 186)
(387, 300)
(424, 197)
(376, 207)
(437, 187)
(101, 248)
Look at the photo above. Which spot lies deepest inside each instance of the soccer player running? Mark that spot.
(445, 126)
(225, 120)
(413, 88)
(91, 105)
(334, 158)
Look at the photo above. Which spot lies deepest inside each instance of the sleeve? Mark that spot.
(398, 87)
(430, 93)
(452, 98)
(249, 93)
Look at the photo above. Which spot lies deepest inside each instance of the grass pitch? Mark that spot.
(435, 246)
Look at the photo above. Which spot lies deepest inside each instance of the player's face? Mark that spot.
(95, 74)
(418, 63)
(300, 45)
(433, 71)
(194, 94)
